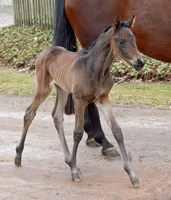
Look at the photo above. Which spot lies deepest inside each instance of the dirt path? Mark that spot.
(44, 175)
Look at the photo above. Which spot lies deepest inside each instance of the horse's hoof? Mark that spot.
(76, 179)
(110, 152)
(92, 143)
(136, 183)
(17, 163)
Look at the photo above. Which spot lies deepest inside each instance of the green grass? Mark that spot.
(16, 83)
(21, 84)
(153, 94)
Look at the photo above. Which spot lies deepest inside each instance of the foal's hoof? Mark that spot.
(136, 183)
(92, 143)
(110, 152)
(76, 179)
(17, 163)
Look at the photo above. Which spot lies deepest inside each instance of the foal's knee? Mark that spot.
(78, 134)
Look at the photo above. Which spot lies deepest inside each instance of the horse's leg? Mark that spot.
(93, 128)
(57, 115)
(89, 130)
(40, 95)
(78, 133)
(105, 106)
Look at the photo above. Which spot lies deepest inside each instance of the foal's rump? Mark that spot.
(48, 55)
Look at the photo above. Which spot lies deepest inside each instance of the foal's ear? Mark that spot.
(130, 22)
(116, 23)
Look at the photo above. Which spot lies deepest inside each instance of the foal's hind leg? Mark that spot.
(57, 115)
(78, 133)
(105, 106)
(41, 93)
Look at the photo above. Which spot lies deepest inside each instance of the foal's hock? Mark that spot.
(85, 74)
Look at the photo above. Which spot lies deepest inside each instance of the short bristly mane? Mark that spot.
(93, 44)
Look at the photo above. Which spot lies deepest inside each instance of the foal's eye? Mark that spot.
(121, 41)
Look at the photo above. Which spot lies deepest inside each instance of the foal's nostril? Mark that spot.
(140, 63)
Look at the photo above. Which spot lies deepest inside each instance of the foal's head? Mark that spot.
(123, 43)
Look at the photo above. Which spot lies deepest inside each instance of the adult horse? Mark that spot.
(152, 29)
(89, 18)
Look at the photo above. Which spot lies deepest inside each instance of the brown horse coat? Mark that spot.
(152, 29)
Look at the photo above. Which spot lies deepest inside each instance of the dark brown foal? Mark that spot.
(85, 74)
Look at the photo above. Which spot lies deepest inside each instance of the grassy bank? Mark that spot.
(153, 94)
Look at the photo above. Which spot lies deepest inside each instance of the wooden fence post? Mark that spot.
(34, 12)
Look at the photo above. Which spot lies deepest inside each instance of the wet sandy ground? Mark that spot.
(44, 175)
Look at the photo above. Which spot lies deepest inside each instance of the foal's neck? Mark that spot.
(100, 56)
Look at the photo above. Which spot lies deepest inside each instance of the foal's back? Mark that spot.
(59, 65)
(71, 72)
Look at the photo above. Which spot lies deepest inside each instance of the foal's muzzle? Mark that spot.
(138, 65)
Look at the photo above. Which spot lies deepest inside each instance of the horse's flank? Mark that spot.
(152, 29)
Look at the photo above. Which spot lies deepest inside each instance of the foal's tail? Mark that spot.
(64, 36)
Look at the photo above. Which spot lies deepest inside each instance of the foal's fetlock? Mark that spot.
(133, 178)
(75, 176)
(19, 149)
(75, 172)
(17, 159)
(68, 162)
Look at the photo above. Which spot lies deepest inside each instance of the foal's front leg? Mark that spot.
(57, 115)
(105, 106)
(78, 133)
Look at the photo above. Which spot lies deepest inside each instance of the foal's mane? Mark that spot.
(93, 44)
